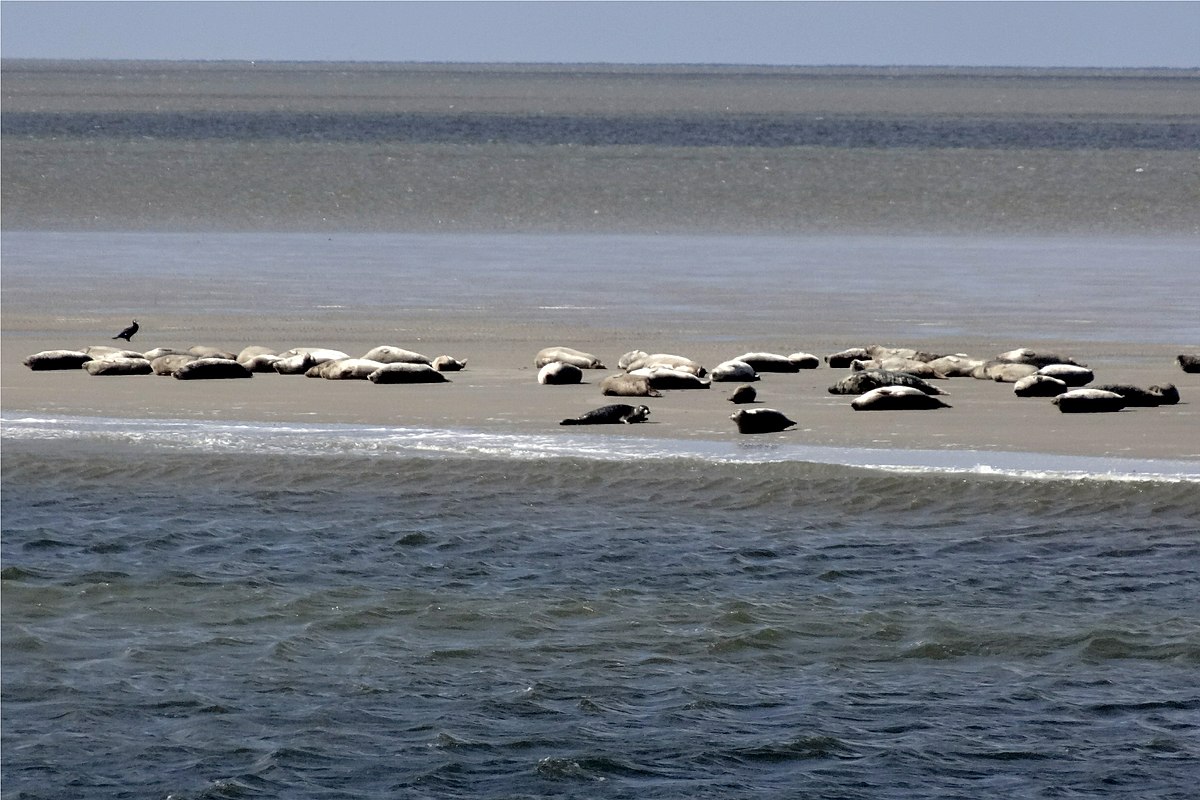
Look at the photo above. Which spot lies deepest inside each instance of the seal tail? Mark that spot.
(570, 422)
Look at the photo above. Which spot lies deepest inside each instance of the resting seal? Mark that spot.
(253, 351)
(1188, 362)
(765, 362)
(448, 364)
(401, 372)
(955, 366)
(56, 359)
(615, 413)
(896, 398)
(666, 378)
(1039, 386)
(387, 354)
(1003, 371)
(344, 369)
(868, 379)
(1069, 374)
(560, 373)
(734, 370)
(115, 365)
(844, 357)
(1023, 355)
(1084, 401)
(1166, 395)
(166, 365)
(211, 369)
(667, 361)
(567, 355)
(760, 420)
(204, 351)
(622, 385)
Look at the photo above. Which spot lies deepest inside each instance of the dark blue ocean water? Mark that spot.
(191, 616)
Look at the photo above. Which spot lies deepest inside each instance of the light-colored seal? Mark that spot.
(633, 355)
(843, 358)
(166, 365)
(766, 362)
(108, 351)
(205, 351)
(1088, 401)
(804, 360)
(1165, 395)
(56, 359)
(667, 361)
(1069, 374)
(115, 365)
(865, 381)
(449, 364)
(623, 385)
(401, 372)
(744, 394)
(1039, 386)
(344, 369)
(881, 352)
(263, 362)
(1188, 362)
(253, 351)
(896, 398)
(1024, 355)
(666, 378)
(760, 420)
(560, 373)
(958, 365)
(611, 414)
(567, 355)
(156, 352)
(734, 370)
(294, 364)
(1003, 371)
(211, 369)
(389, 354)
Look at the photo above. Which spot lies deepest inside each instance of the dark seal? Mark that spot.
(610, 415)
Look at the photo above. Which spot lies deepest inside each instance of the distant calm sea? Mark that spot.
(235, 610)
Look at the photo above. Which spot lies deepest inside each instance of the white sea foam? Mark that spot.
(399, 442)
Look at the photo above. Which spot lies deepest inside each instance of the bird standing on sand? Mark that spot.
(128, 333)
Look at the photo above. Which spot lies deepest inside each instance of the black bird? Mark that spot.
(128, 333)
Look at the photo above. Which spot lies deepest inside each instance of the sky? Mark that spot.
(1033, 33)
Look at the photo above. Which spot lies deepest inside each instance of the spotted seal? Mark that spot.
(896, 398)
(56, 359)
(868, 379)
(1088, 401)
(567, 355)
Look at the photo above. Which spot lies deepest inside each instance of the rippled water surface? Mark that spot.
(207, 621)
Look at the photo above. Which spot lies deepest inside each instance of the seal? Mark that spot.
(734, 370)
(1003, 371)
(633, 355)
(765, 362)
(843, 358)
(117, 365)
(204, 351)
(804, 360)
(912, 366)
(56, 359)
(611, 414)
(666, 378)
(344, 369)
(318, 354)
(896, 398)
(448, 364)
(623, 385)
(1023, 355)
(1188, 362)
(388, 354)
(401, 372)
(567, 355)
(1088, 401)
(958, 365)
(882, 352)
(1069, 374)
(760, 420)
(253, 351)
(211, 369)
(294, 364)
(1165, 395)
(1039, 386)
(868, 379)
(166, 365)
(108, 351)
(560, 373)
(264, 362)
(743, 394)
(667, 361)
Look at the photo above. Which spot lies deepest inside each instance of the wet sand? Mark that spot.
(498, 391)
